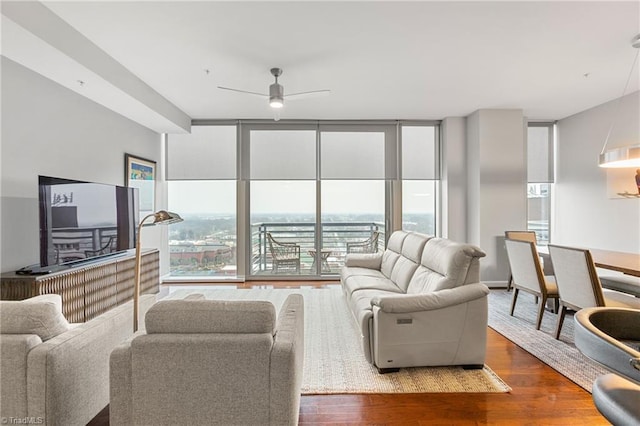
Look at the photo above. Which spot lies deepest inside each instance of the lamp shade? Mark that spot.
(624, 156)
(163, 217)
(276, 95)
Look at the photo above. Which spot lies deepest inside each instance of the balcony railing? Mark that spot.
(333, 244)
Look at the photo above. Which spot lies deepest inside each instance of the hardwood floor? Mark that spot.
(539, 396)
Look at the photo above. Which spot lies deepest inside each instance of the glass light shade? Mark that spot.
(625, 156)
(276, 95)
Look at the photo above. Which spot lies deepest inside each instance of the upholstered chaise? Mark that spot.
(211, 362)
(53, 372)
(419, 303)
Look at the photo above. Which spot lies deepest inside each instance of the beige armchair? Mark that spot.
(211, 362)
(52, 372)
(283, 254)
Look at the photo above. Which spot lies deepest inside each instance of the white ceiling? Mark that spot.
(381, 60)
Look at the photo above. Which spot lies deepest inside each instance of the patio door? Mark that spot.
(281, 199)
(315, 192)
(356, 163)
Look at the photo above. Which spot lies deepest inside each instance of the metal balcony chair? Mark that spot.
(283, 254)
(370, 245)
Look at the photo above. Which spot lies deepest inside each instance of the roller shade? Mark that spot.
(282, 154)
(419, 153)
(349, 152)
(207, 153)
(540, 154)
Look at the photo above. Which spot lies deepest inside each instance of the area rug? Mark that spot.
(334, 363)
(561, 355)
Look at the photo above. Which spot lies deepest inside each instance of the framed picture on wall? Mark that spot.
(141, 173)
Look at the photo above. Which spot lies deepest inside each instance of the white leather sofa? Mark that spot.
(418, 303)
(53, 372)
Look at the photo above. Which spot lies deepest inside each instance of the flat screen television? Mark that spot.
(80, 221)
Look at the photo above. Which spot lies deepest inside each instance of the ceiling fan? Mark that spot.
(276, 92)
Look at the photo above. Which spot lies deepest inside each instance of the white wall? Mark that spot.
(454, 179)
(50, 130)
(584, 215)
(496, 185)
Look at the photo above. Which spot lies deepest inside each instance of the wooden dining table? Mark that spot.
(627, 263)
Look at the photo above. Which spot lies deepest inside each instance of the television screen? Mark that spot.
(84, 220)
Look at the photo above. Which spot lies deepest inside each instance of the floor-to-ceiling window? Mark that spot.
(353, 173)
(540, 177)
(420, 177)
(282, 202)
(276, 200)
(201, 174)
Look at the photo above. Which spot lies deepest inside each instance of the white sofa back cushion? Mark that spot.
(445, 264)
(413, 246)
(392, 252)
(408, 262)
(190, 316)
(40, 315)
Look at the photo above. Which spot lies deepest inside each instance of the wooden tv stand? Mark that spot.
(88, 290)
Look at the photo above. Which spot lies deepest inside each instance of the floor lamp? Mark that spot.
(161, 217)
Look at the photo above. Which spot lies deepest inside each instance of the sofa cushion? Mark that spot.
(389, 259)
(413, 245)
(40, 315)
(396, 240)
(402, 272)
(358, 283)
(211, 316)
(347, 272)
(424, 280)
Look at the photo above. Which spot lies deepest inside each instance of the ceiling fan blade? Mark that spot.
(305, 95)
(262, 95)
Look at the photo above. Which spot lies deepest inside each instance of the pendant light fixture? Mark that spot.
(624, 156)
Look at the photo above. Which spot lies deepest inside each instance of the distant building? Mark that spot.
(203, 253)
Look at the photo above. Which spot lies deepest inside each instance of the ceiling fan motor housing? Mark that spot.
(276, 94)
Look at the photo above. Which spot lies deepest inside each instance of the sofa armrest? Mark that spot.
(120, 388)
(68, 375)
(405, 303)
(287, 357)
(364, 260)
(13, 370)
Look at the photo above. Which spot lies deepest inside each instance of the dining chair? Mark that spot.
(520, 236)
(528, 276)
(579, 285)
